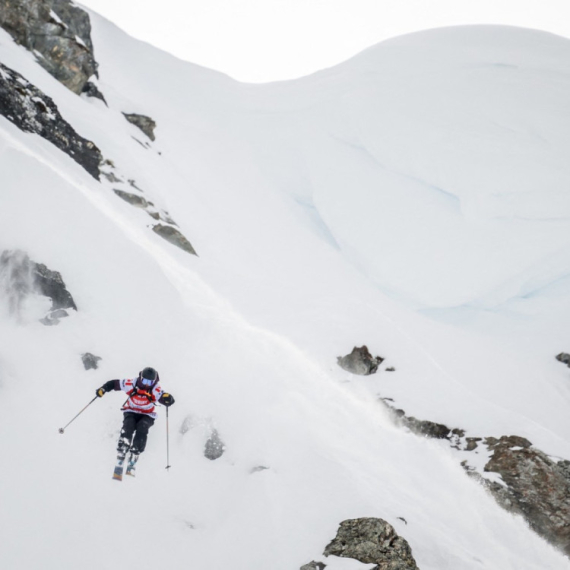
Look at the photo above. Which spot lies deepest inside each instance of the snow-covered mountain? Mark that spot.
(415, 199)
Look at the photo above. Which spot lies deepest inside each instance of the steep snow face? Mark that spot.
(442, 170)
(286, 193)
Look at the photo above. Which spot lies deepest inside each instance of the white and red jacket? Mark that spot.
(139, 401)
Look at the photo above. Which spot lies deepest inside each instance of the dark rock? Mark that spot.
(175, 237)
(21, 277)
(360, 361)
(90, 361)
(111, 177)
(427, 428)
(50, 284)
(132, 199)
(58, 32)
(144, 123)
(91, 90)
(536, 486)
(564, 357)
(472, 443)
(372, 541)
(215, 447)
(34, 112)
(314, 566)
(507, 441)
(390, 369)
(420, 427)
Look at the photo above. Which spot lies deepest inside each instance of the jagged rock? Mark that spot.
(420, 427)
(390, 369)
(214, 447)
(50, 284)
(564, 357)
(537, 487)
(21, 277)
(132, 199)
(175, 237)
(144, 123)
(91, 90)
(372, 541)
(90, 361)
(360, 361)
(34, 112)
(313, 566)
(58, 32)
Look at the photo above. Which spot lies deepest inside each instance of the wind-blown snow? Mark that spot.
(427, 173)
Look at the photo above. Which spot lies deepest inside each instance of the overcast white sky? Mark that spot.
(268, 40)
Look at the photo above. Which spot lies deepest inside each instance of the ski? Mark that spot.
(130, 471)
(118, 472)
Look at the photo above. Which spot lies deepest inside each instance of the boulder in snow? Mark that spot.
(564, 357)
(174, 236)
(144, 123)
(372, 541)
(90, 361)
(360, 361)
(214, 447)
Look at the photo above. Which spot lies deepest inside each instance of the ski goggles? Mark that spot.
(147, 382)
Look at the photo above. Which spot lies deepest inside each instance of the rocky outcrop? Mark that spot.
(144, 123)
(133, 199)
(21, 277)
(360, 361)
(214, 447)
(50, 284)
(533, 485)
(372, 541)
(536, 486)
(174, 236)
(423, 427)
(34, 112)
(90, 361)
(564, 357)
(58, 33)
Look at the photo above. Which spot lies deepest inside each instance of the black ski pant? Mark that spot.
(137, 424)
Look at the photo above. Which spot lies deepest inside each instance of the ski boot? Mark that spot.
(122, 449)
(131, 466)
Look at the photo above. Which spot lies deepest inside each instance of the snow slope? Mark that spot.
(425, 174)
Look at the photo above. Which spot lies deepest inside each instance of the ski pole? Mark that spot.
(61, 430)
(167, 443)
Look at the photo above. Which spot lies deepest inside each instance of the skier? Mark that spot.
(139, 414)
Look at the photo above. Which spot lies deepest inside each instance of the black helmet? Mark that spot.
(149, 373)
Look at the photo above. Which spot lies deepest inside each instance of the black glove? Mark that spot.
(100, 391)
(166, 399)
